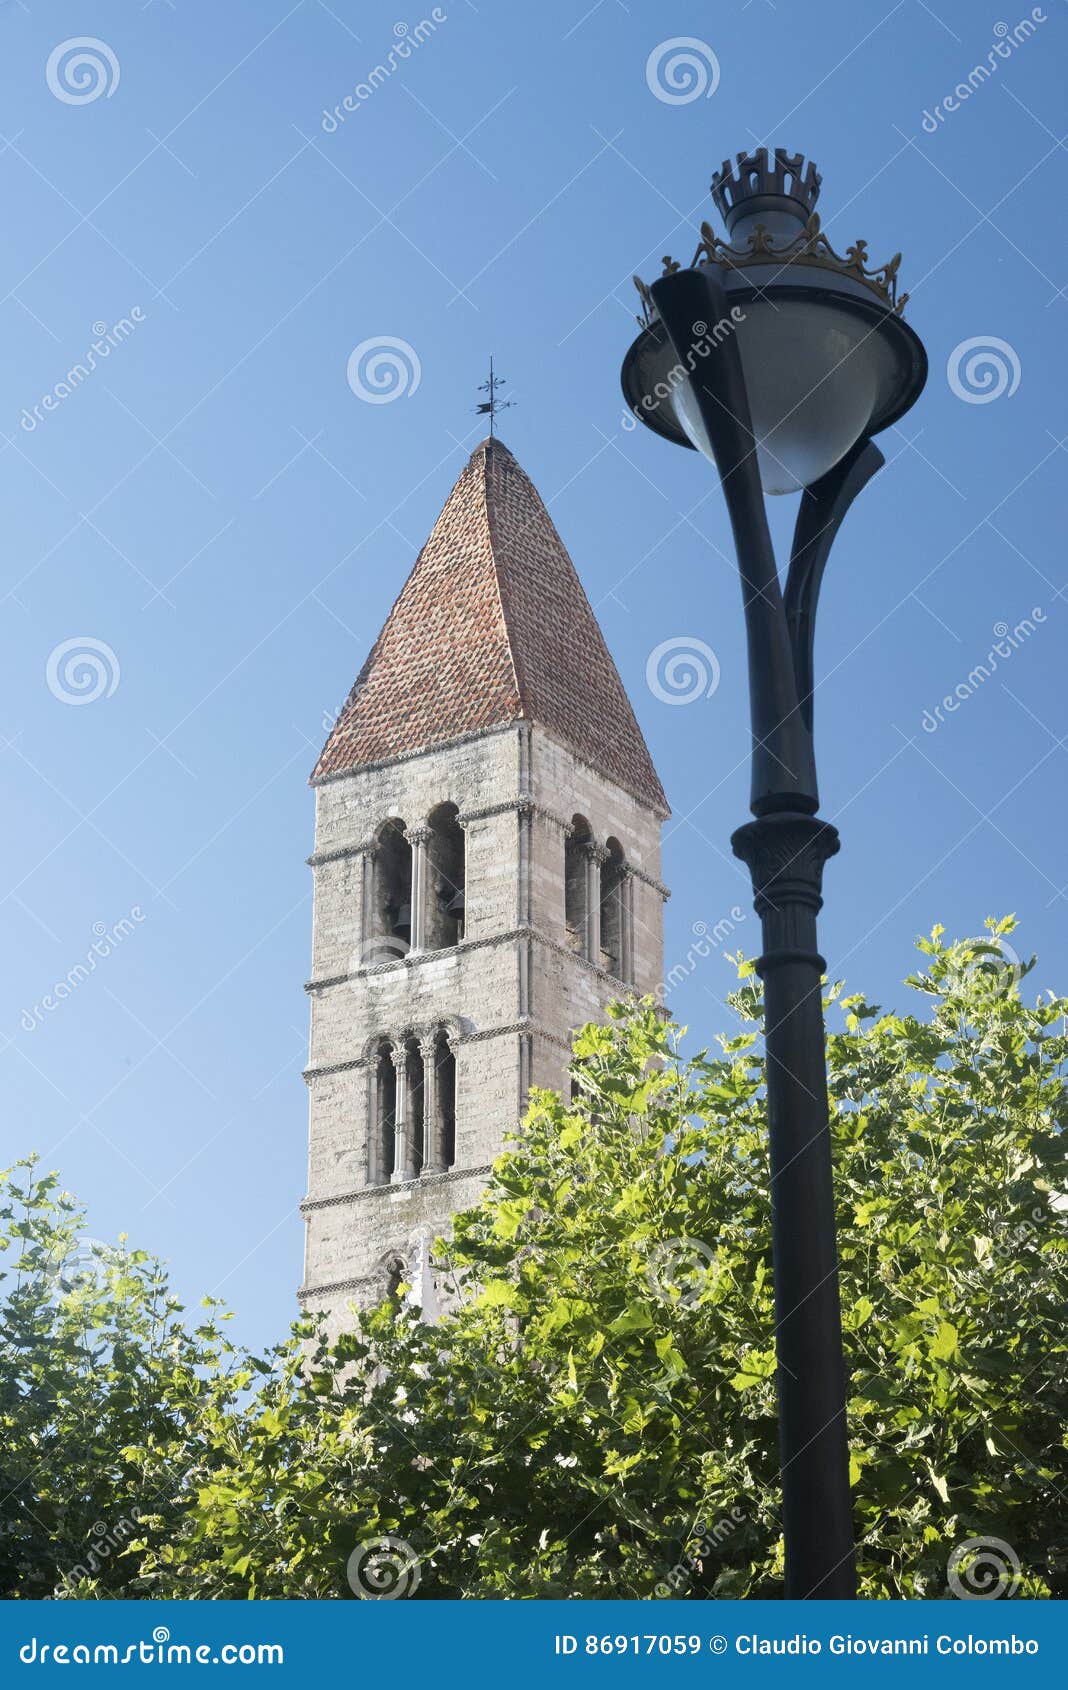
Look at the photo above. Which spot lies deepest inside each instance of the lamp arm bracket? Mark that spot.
(688, 301)
(823, 508)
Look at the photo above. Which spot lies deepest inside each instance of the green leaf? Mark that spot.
(637, 1318)
(498, 1293)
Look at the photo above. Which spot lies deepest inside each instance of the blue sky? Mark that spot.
(217, 507)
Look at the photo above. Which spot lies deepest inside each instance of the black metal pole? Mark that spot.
(785, 854)
(785, 849)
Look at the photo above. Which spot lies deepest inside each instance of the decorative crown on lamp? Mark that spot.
(826, 354)
(756, 186)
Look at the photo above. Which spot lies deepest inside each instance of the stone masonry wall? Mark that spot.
(511, 992)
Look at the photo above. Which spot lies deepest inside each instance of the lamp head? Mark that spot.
(826, 355)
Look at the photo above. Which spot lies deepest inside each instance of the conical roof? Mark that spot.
(492, 626)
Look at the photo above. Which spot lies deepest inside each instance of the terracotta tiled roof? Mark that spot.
(492, 626)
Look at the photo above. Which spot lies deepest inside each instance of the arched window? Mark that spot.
(382, 1139)
(416, 1121)
(397, 1141)
(389, 928)
(439, 1102)
(614, 930)
(445, 879)
(576, 885)
(408, 1114)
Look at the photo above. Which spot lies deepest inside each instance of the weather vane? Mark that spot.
(489, 407)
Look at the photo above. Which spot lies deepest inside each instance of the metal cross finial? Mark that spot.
(489, 407)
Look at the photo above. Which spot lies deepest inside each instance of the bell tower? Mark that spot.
(487, 879)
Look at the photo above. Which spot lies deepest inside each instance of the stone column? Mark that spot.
(377, 1172)
(452, 1039)
(424, 1293)
(433, 1145)
(595, 855)
(419, 838)
(525, 877)
(526, 1069)
(403, 1157)
(626, 924)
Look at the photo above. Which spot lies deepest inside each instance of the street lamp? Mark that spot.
(778, 360)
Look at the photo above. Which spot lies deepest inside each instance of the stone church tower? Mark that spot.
(487, 879)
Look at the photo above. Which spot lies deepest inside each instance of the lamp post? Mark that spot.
(778, 360)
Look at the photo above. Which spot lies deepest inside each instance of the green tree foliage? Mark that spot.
(596, 1417)
(102, 1381)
